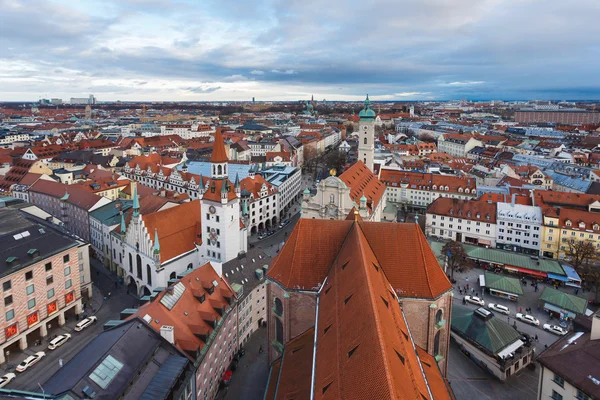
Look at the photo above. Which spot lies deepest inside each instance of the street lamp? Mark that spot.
(43, 391)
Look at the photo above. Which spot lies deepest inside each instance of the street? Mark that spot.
(103, 310)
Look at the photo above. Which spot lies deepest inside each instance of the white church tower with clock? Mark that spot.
(223, 234)
(366, 135)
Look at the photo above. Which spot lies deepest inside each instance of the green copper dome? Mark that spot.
(366, 114)
(306, 191)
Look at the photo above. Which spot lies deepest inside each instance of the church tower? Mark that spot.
(223, 237)
(366, 135)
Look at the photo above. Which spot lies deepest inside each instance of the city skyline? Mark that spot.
(146, 50)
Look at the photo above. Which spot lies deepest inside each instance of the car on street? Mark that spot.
(5, 380)
(85, 323)
(499, 308)
(58, 341)
(29, 361)
(270, 233)
(262, 236)
(557, 330)
(529, 319)
(475, 300)
(284, 223)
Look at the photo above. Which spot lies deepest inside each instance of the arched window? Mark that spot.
(365, 140)
(220, 170)
(139, 266)
(173, 276)
(225, 169)
(438, 316)
(149, 273)
(130, 264)
(365, 160)
(332, 198)
(190, 266)
(278, 307)
(214, 169)
(278, 330)
(436, 344)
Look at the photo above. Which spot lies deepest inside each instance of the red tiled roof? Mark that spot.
(474, 210)
(213, 190)
(77, 196)
(177, 229)
(254, 185)
(362, 181)
(219, 155)
(314, 244)
(188, 329)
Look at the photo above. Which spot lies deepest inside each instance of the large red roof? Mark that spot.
(314, 244)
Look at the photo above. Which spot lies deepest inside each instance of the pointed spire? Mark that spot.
(123, 226)
(201, 183)
(245, 207)
(136, 202)
(237, 181)
(219, 155)
(156, 248)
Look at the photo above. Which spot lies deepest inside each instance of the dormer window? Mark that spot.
(596, 227)
(460, 190)
(582, 225)
(478, 215)
(568, 223)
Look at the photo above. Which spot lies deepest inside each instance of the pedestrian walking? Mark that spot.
(536, 338)
(260, 350)
(116, 284)
(508, 319)
(521, 309)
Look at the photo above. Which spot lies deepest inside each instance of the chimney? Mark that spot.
(168, 332)
(595, 335)
(512, 200)
(532, 192)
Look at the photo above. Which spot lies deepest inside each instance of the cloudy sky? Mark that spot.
(289, 49)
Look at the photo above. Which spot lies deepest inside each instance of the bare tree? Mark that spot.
(585, 258)
(456, 256)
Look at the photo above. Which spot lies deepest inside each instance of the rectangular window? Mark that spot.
(6, 285)
(582, 396)
(50, 293)
(28, 275)
(8, 300)
(217, 218)
(49, 280)
(67, 271)
(81, 265)
(81, 278)
(556, 396)
(68, 284)
(66, 258)
(10, 314)
(208, 216)
(559, 380)
(30, 289)
(31, 303)
(48, 266)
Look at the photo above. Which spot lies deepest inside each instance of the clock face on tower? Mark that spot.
(365, 128)
(212, 209)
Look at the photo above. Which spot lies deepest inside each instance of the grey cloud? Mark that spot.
(203, 90)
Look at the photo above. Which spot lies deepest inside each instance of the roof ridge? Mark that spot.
(422, 253)
(361, 237)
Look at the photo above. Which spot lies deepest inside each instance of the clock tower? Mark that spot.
(366, 135)
(223, 235)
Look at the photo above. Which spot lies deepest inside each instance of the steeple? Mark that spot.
(219, 158)
(156, 247)
(136, 202)
(237, 185)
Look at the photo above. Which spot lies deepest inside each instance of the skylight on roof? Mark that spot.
(106, 371)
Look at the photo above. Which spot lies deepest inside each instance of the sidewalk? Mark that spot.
(250, 379)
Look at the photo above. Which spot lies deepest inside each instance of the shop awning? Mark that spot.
(482, 280)
(510, 348)
(571, 273)
(559, 310)
(558, 277)
(532, 272)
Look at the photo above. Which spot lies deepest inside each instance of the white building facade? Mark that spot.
(519, 228)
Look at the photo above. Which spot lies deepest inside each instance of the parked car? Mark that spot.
(59, 341)
(475, 300)
(557, 330)
(530, 319)
(284, 223)
(29, 361)
(5, 380)
(85, 323)
(262, 236)
(499, 308)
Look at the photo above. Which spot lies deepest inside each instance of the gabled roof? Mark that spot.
(177, 229)
(76, 196)
(362, 181)
(314, 244)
